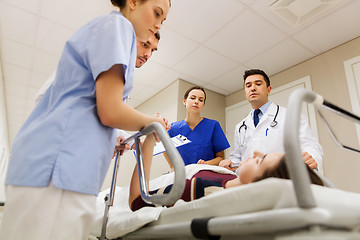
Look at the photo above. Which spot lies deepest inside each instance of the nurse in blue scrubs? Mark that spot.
(208, 140)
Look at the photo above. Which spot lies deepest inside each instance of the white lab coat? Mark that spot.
(266, 139)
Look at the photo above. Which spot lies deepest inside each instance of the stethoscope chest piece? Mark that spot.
(273, 123)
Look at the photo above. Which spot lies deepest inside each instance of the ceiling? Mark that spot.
(206, 42)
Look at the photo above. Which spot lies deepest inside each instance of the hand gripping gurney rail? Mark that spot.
(271, 208)
(162, 199)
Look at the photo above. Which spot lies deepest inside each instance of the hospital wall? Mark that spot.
(328, 79)
(169, 103)
(4, 139)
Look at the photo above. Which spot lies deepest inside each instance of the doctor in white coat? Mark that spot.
(267, 135)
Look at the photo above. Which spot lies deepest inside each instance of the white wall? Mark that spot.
(4, 139)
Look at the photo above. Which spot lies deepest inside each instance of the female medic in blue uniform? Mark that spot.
(208, 140)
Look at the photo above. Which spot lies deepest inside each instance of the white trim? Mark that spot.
(353, 88)
(306, 81)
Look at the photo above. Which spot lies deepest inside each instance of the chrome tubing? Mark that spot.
(295, 163)
(175, 159)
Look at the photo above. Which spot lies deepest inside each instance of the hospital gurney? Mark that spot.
(162, 199)
(268, 209)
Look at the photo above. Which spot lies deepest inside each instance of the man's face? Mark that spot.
(256, 91)
(145, 50)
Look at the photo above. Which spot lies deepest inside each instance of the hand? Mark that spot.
(309, 160)
(119, 146)
(226, 163)
(162, 120)
(201, 161)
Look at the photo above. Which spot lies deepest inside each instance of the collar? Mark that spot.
(263, 108)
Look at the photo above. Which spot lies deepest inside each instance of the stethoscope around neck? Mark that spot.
(243, 125)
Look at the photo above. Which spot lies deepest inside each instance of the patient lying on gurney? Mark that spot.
(259, 167)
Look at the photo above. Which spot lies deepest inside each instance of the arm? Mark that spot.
(147, 150)
(215, 161)
(168, 161)
(309, 160)
(219, 144)
(111, 109)
(120, 147)
(226, 163)
(311, 148)
(235, 155)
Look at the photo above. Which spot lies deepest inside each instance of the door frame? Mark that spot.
(353, 86)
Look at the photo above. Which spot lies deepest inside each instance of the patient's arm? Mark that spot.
(147, 150)
(226, 163)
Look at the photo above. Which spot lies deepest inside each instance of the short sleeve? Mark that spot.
(104, 43)
(171, 130)
(110, 45)
(219, 139)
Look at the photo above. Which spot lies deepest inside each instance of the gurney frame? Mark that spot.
(162, 199)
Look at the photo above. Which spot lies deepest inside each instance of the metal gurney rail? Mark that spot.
(292, 142)
(162, 199)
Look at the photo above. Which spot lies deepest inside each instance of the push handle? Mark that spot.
(175, 159)
(295, 163)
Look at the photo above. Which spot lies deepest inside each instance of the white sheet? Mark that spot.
(122, 220)
(265, 195)
(267, 206)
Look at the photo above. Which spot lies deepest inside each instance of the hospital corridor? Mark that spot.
(252, 108)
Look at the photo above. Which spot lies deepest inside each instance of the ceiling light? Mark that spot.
(297, 12)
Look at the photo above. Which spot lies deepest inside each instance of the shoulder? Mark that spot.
(119, 18)
(114, 21)
(175, 126)
(211, 124)
(273, 108)
(210, 121)
(282, 109)
(178, 123)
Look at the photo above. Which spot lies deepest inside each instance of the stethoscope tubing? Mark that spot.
(272, 124)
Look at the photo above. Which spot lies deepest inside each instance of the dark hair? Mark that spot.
(192, 88)
(122, 3)
(257, 72)
(157, 35)
(281, 171)
(119, 3)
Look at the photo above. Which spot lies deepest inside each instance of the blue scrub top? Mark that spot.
(63, 139)
(207, 139)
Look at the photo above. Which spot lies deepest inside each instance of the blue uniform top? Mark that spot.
(207, 139)
(63, 139)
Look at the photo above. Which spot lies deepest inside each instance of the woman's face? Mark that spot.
(254, 167)
(148, 16)
(195, 101)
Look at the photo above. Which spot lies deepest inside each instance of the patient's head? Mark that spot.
(263, 166)
(254, 167)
